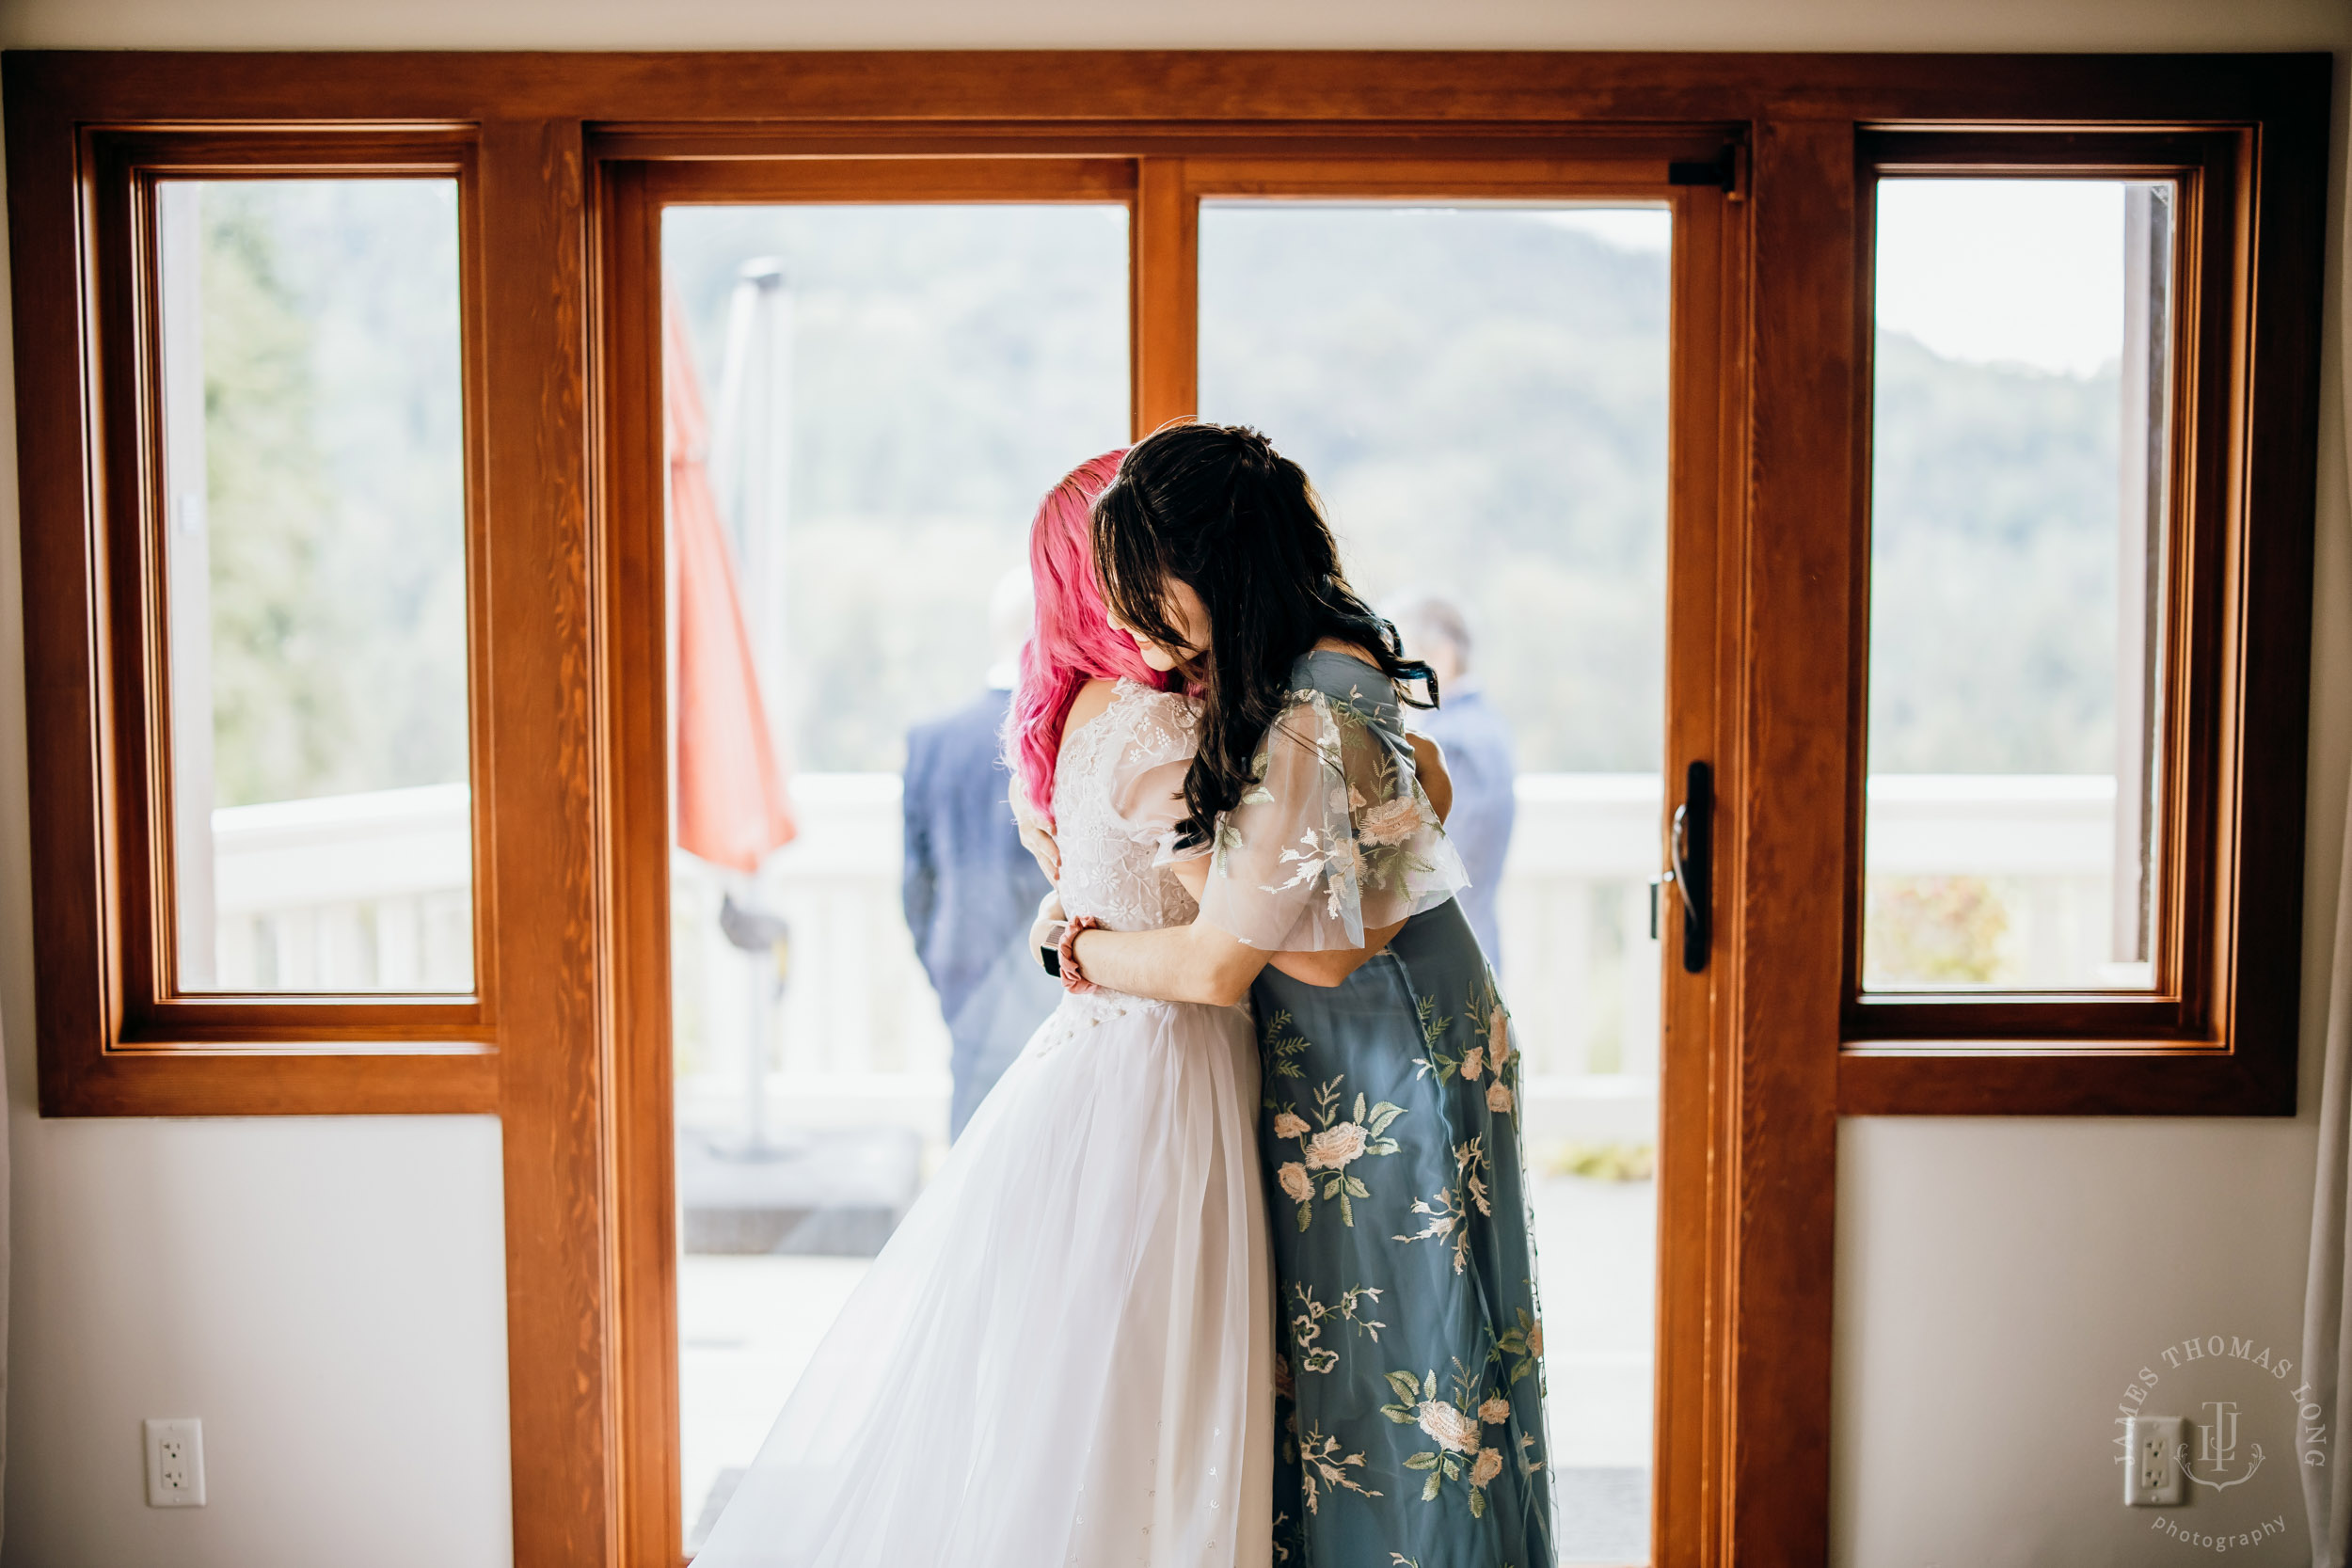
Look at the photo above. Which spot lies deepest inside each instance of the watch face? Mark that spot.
(1051, 958)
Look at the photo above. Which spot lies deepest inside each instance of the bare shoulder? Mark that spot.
(1093, 700)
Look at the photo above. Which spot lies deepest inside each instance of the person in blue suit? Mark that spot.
(1477, 745)
(970, 889)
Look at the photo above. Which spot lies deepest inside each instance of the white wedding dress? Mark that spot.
(1063, 1356)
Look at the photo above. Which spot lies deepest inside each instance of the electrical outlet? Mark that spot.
(175, 1464)
(2152, 1463)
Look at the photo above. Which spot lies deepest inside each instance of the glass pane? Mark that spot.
(2020, 460)
(872, 400)
(1480, 396)
(314, 476)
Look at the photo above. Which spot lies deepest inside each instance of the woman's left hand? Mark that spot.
(1036, 837)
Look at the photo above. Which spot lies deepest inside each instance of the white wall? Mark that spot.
(328, 1294)
(1997, 1280)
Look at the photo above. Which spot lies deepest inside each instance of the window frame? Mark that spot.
(311, 1050)
(2223, 923)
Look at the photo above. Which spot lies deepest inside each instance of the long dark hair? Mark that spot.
(1216, 508)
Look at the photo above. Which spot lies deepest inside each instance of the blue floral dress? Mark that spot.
(1410, 1383)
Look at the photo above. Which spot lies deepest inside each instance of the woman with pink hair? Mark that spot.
(1072, 641)
(1063, 1356)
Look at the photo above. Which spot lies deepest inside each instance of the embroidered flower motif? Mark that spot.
(1392, 821)
(1452, 1429)
(1336, 1146)
(1473, 1062)
(1499, 1031)
(1288, 1124)
(1488, 1465)
(1499, 1098)
(1296, 1181)
(1284, 1387)
(1495, 1412)
(1345, 859)
(1535, 1339)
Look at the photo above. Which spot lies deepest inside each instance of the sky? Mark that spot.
(1995, 271)
(2023, 271)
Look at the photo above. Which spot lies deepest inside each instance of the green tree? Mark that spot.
(278, 721)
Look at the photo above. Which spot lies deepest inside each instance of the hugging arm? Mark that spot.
(1308, 875)
(1200, 962)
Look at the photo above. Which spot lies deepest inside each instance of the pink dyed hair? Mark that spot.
(1071, 642)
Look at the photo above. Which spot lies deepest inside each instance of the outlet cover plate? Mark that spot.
(175, 1463)
(2152, 1461)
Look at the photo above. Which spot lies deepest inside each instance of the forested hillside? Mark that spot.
(1481, 398)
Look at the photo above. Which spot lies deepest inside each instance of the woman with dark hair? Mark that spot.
(1411, 1382)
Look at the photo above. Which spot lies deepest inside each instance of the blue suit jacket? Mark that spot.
(970, 891)
(1478, 754)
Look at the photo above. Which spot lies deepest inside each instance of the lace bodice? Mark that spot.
(1118, 794)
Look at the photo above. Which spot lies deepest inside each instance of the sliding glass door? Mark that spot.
(1499, 374)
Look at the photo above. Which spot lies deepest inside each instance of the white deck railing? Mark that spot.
(371, 892)
(348, 892)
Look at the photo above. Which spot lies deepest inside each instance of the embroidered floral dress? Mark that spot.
(1409, 1366)
(1063, 1356)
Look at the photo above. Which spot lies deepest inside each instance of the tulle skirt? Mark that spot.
(1062, 1356)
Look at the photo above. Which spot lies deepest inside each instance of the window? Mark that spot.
(288, 538)
(2021, 477)
(314, 515)
(2051, 658)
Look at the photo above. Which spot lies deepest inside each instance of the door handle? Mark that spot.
(1691, 849)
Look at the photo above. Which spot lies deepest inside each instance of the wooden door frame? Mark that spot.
(572, 1017)
(1162, 192)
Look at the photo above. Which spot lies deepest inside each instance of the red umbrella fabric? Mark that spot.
(732, 804)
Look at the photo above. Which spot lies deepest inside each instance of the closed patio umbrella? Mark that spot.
(732, 805)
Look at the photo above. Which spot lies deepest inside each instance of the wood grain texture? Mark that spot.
(633, 599)
(2061, 1078)
(77, 1001)
(546, 820)
(277, 1083)
(1780, 915)
(2258, 968)
(969, 178)
(1161, 87)
(1165, 289)
(1708, 499)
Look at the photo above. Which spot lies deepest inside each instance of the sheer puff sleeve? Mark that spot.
(1334, 836)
